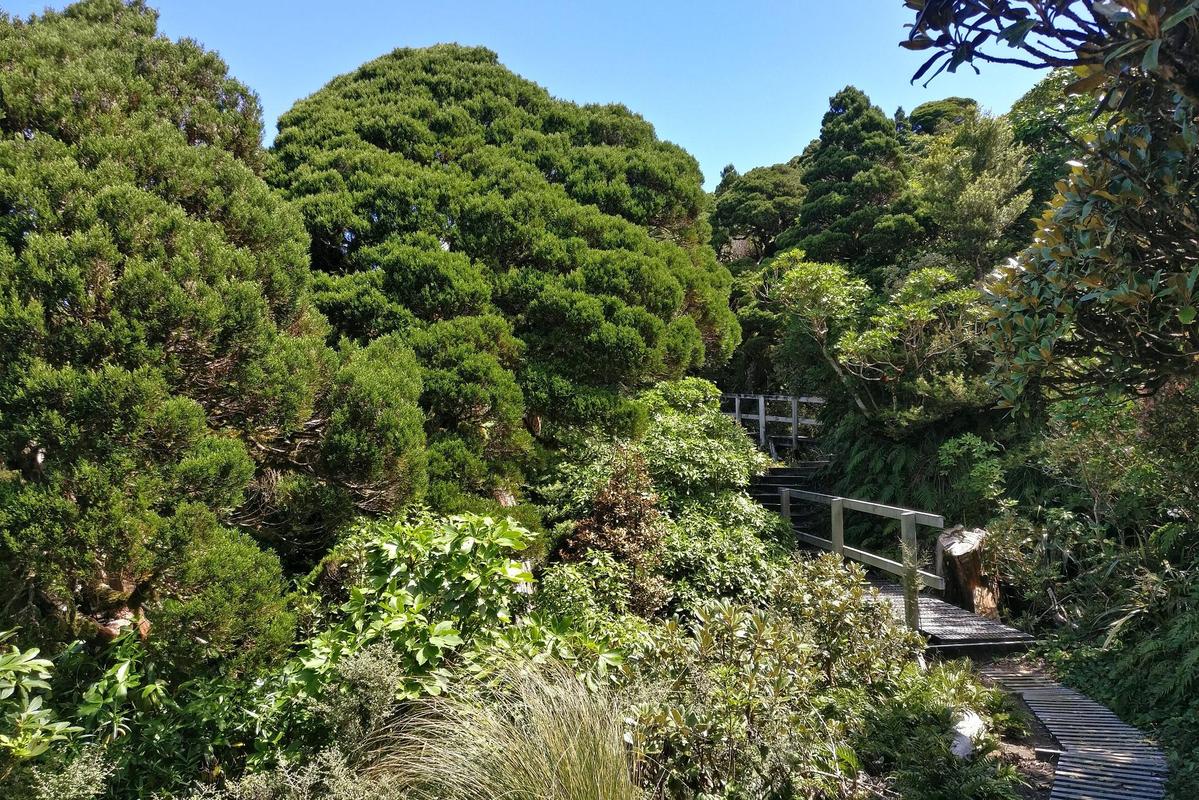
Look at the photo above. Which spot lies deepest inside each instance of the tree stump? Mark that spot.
(970, 586)
(504, 497)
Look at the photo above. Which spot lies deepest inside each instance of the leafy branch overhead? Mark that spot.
(1122, 39)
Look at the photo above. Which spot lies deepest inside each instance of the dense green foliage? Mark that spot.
(936, 116)
(375, 465)
(959, 178)
(761, 681)
(1106, 294)
(751, 210)
(855, 209)
(968, 181)
(538, 255)
(1093, 333)
(1052, 124)
(1052, 274)
(913, 361)
(420, 607)
(164, 375)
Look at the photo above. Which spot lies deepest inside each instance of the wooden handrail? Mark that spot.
(801, 398)
(758, 413)
(908, 518)
(868, 507)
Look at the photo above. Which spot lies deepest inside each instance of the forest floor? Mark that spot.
(1036, 773)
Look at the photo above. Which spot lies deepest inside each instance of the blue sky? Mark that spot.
(740, 82)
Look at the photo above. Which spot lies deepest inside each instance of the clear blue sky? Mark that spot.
(741, 82)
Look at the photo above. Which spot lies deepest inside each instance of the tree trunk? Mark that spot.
(965, 581)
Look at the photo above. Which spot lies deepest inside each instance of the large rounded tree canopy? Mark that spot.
(166, 386)
(540, 256)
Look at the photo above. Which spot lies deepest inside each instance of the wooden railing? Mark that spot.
(912, 576)
(755, 408)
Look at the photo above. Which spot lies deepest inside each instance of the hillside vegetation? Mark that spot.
(387, 460)
(1002, 317)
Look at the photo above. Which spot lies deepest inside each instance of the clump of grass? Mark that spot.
(540, 734)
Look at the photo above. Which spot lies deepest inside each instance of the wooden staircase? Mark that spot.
(764, 488)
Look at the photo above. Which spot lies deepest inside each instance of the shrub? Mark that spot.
(975, 476)
(906, 736)
(690, 448)
(623, 518)
(79, 776)
(795, 699)
(428, 586)
(735, 714)
(28, 727)
(594, 591)
(705, 558)
(359, 700)
(330, 775)
(856, 640)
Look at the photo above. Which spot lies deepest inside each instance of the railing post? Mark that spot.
(737, 408)
(762, 420)
(794, 426)
(838, 519)
(911, 587)
(785, 503)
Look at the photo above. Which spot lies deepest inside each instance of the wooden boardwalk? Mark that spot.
(1101, 756)
(1098, 756)
(951, 630)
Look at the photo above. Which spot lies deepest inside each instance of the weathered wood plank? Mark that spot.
(870, 559)
(1104, 757)
(950, 628)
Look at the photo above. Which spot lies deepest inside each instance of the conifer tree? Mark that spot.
(855, 210)
(164, 376)
(968, 187)
(757, 206)
(542, 257)
(936, 116)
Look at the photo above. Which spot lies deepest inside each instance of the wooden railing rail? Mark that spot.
(757, 412)
(911, 575)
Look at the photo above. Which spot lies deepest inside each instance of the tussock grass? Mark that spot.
(540, 734)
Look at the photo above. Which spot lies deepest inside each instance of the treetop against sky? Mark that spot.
(743, 83)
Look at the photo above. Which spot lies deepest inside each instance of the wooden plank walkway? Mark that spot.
(1100, 757)
(952, 630)
(1103, 757)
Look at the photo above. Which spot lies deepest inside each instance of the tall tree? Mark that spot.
(447, 197)
(1054, 125)
(937, 115)
(1106, 294)
(756, 207)
(969, 187)
(163, 373)
(855, 210)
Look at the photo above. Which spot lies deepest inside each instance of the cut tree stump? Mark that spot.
(963, 556)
